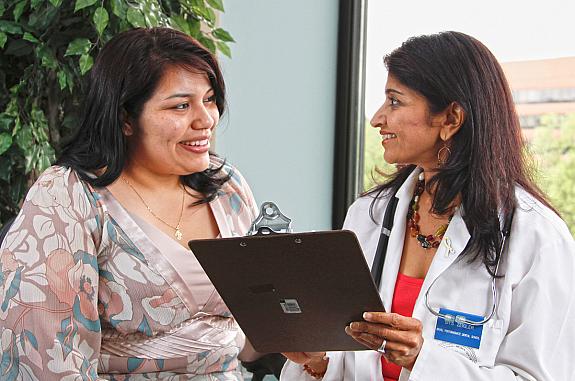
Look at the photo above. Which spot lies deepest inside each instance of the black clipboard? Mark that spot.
(292, 292)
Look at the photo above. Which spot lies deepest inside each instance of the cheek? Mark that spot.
(215, 114)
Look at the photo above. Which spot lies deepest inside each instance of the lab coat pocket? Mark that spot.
(490, 342)
(491, 338)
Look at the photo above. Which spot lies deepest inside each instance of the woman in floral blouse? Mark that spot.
(96, 281)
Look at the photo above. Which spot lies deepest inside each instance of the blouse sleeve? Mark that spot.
(49, 283)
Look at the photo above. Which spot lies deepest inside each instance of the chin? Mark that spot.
(198, 166)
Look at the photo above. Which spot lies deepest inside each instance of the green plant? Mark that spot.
(46, 49)
(553, 146)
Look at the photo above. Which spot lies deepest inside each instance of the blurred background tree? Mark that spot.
(47, 47)
(553, 148)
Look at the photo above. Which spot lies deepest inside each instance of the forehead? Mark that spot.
(181, 79)
(393, 85)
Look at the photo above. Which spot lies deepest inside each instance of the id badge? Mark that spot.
(452, 330)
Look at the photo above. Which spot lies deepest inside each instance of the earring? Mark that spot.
(443, 155)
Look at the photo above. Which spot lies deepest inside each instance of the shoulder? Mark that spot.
(60, 187)
(237, 182)
(540, 240)
(368, 207)
(236, 190)
(537, 219)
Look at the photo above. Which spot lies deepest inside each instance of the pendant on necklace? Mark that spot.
(178, 234)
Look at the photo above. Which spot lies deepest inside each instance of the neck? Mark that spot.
(427, 197)
(146, 179)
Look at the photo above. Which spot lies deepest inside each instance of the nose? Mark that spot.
(203, 118)
(378, 119)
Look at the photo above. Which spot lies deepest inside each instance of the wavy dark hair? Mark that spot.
(124, 77)
(488, 155)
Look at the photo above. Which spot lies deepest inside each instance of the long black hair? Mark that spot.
(125, 76)
(487, 158)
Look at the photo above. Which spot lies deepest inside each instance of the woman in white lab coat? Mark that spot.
(450, 122)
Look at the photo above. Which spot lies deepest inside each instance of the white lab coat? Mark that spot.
(532, 335)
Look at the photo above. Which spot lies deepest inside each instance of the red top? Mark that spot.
(406, 292)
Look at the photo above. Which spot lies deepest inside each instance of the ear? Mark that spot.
(454, 116)
(127, 128)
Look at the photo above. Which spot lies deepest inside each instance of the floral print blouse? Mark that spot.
(86, 294)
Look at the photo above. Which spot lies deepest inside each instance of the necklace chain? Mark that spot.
(177, 229)
(425, 241)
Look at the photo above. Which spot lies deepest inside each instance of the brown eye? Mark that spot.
(182, 106)
(210, 99)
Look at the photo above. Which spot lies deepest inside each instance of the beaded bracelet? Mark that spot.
(313, 373)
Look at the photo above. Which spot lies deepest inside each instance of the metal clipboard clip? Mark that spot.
(270, 221)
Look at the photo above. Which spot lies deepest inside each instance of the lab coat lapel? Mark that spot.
(396, 239)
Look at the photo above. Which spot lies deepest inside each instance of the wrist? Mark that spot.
(316, 367)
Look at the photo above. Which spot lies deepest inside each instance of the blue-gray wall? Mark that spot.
(279, 129)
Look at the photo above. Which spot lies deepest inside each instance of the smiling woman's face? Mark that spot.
(407, 127)
(171, 136)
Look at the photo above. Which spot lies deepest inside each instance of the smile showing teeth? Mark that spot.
(196, 143)
(388, 136)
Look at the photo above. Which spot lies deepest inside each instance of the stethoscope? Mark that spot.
(381, 252)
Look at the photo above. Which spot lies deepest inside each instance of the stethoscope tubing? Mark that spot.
(381, 253)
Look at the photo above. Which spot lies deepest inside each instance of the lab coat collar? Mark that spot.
(453, 243)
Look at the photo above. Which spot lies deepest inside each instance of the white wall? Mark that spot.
(281, 95)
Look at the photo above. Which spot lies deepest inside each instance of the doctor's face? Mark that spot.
(172, 134)
(410, 133)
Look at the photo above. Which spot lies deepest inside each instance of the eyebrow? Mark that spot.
(185, 95)
(387, 91)
(179, 95)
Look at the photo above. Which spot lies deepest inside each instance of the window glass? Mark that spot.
(533, 42)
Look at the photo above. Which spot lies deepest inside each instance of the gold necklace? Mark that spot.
(178, 232)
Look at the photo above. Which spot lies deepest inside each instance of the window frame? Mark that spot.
(350, 109)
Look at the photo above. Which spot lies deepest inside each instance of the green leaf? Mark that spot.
(205, 13)
(178, 22)
(3, 39)
(56, 3)
(5, 122)
(10, 27)
(34, 3)
(19, 9)
(29, 37)
(86, 62)
(2, 9)
(78, 47)
(222, 35)
(45, 157)
(135, 18)
(24, 138)
(101, 19)
(41, 19)
(216, 4)
(47, 57)
(151, 15)
(208, 43)
(5, 142)
(81, 4)
(118, 8)
(62, 79)
(224, 48)
(195, 26)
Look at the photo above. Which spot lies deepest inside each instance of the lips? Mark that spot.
(196, 146)
(196, 143)
(386, 136)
